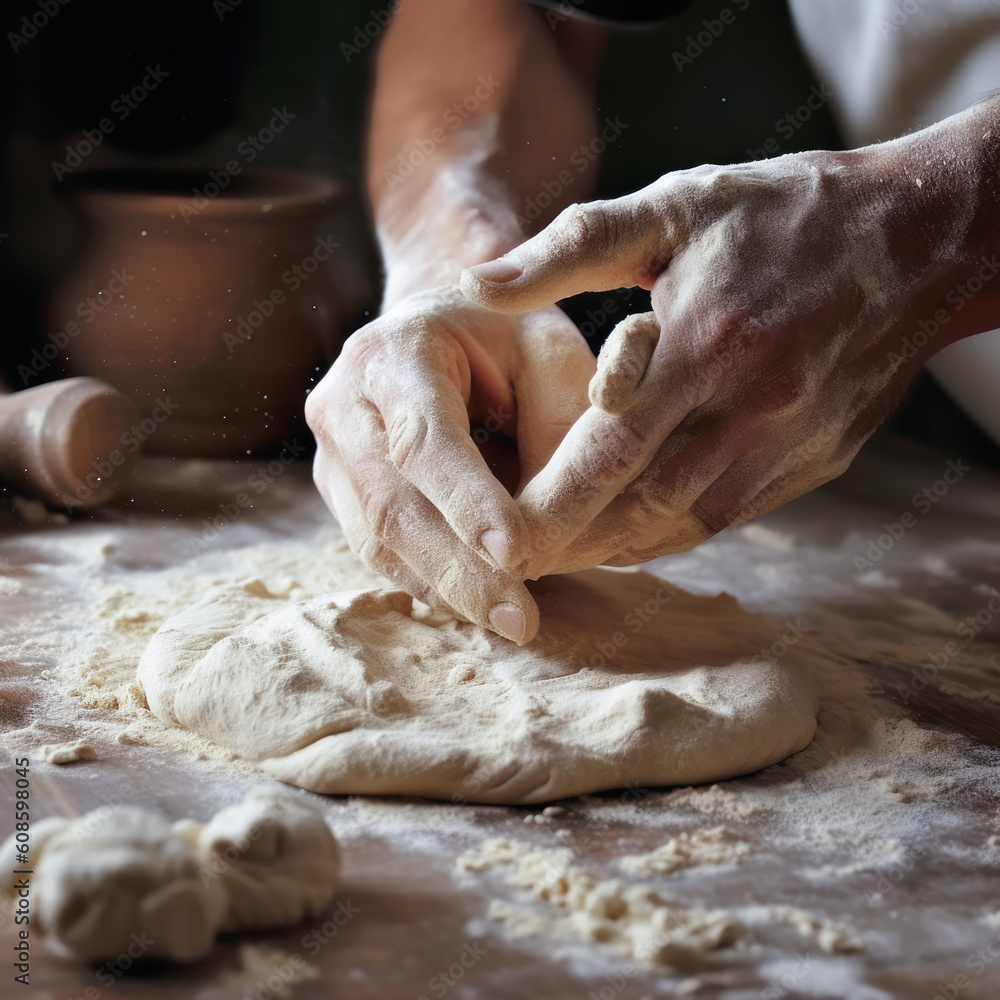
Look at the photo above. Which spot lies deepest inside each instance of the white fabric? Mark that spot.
(899, 65)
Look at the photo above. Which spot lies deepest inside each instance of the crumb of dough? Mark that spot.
(67, 753)
(833, 937)
(717, 846)
(712, 799)
(632, 921)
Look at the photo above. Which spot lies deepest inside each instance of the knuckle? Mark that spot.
(406, 435)
(588, 225)
(382, 514)
(622, 448)
(315, 412)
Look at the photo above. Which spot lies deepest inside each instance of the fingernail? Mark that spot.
(508, 620)
(499, 271)
(496, 543)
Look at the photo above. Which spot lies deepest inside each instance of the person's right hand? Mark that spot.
(402, 468)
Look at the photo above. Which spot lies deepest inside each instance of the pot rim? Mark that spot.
(262, 192)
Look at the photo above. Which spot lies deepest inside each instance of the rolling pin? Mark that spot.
(62, 442)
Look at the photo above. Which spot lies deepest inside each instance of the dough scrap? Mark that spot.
(630, 680)
(717, 846)
(274, 854)
(632, 921)
(119, 878)
(67, 753)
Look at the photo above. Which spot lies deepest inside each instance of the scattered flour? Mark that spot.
(632, 921)
(716, 846)
(767, 538)
(263, 971)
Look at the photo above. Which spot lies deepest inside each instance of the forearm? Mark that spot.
(474, 110)
(945, 181)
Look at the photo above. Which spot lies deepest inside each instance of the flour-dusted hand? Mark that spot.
(403, 421)
(785, 295)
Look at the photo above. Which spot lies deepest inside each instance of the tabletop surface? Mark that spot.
(887, 825)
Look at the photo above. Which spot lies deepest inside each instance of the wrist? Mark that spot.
(931, 198)
(461, 217)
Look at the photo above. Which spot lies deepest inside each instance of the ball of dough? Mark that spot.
(113, 878)
(276, 857)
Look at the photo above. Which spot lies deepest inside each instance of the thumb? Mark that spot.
(595, 247)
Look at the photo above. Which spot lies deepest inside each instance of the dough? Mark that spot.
(117, 878)
(67, 753)
(630, 681)
(274, 854)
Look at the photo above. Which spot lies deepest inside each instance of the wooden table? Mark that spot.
(923, 915)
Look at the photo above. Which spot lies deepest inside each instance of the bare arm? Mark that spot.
(475, 107)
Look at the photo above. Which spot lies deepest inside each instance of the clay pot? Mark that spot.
(208, 306)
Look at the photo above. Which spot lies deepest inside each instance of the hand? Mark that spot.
(781, 290)
(408, 477)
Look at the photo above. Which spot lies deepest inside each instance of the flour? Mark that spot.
(632, 921)
(261, 968)
(831, 936)
(716, 846)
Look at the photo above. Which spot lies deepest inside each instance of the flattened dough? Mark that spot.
(630, 681)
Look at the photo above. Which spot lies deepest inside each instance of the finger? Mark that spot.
(603, 453)
(623, 361)
(416, 389)
(335, 487)
(657, 513)
(547, 407)
(402, 519)
(587, 248)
